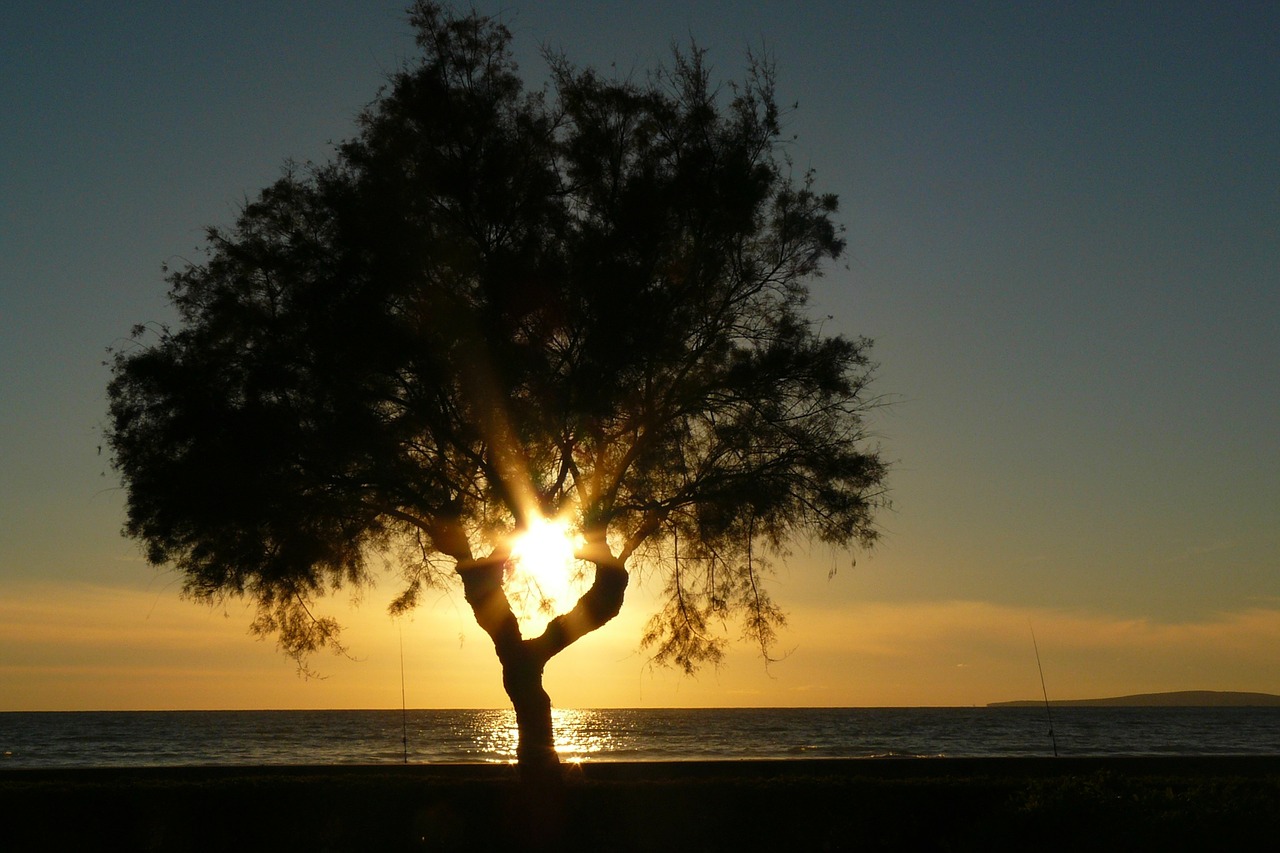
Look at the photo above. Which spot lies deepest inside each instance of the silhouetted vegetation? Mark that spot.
(495, 304)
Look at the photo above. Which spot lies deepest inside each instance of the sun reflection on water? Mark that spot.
(580, 734)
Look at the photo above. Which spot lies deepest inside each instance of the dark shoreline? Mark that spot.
(1103, 803)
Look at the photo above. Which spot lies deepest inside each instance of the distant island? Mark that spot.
(1178, 699)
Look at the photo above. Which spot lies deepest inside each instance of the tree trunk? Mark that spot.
(540, 802)
(536, 748)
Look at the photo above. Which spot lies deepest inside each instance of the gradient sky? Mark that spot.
(1064, 238)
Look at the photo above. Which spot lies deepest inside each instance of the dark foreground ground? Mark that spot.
(919, 804)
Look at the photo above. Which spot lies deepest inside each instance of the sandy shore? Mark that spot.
(920, 804)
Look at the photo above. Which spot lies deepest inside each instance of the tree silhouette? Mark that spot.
(494, 306)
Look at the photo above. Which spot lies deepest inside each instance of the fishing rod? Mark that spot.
(404, 713)
(1048, 715)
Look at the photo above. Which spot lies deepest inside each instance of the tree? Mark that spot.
(494, 307)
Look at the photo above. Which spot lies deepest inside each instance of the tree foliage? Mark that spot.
(494, 303)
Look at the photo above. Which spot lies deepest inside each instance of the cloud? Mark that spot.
(972, 652)
(80, 646)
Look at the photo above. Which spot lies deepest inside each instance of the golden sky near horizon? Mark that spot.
(114, 648)
(1062, 224)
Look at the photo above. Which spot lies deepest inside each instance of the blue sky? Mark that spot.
(1064, 238)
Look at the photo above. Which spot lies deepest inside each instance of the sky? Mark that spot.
(1064, 238)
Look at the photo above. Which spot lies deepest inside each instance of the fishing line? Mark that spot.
(404, 713)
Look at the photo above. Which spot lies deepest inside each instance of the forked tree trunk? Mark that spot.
(523, 660)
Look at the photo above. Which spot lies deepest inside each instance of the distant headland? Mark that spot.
(1177, 699)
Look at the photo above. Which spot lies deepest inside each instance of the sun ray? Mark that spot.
(543, 578)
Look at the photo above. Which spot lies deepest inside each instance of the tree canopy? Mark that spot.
(494, 305)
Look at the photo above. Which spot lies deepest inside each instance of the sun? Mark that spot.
(543, 579)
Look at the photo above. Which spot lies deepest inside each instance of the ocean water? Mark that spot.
(143, 738)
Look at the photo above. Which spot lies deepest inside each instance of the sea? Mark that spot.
(207, 738)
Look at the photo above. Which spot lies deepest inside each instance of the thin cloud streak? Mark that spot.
(74, 646)
(973, 652)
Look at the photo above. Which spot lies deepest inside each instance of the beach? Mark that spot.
(1112, 803)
